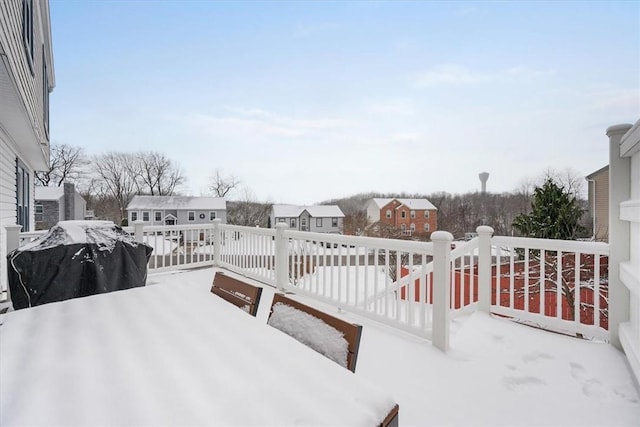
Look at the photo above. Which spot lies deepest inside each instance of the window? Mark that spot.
(403, 228)
(334, 222)
(27, 30)
(303, 222)
(388, 213)
(39, 211)
(412, 228)
(403, 214)
(413, 214)
(426, 227)
(281, 220)
(23, 199)
(145, 216)
(134, 216)
(318, 222)
(293, 223)
(191, 216)
(212, 215)
(157, 216)
(45, 95)
(426, 214)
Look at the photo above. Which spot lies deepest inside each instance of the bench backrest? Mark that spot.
(237, 292)
(351, 331)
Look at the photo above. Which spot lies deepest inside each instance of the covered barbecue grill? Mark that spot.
(75, 259)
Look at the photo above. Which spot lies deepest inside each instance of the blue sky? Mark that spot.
(306, 101)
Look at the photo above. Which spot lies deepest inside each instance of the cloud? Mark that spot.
(400, 107)
(452, 74)
(260, 122)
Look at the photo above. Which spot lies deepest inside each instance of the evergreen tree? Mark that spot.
(555, 214)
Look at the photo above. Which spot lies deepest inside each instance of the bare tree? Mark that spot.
(248, 211)
(568, 178)
(221, 185)
(66, 164)
(355, 223)
(156, 174)
(113, 171)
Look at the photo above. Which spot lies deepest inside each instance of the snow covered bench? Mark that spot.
(332, 337)
(237, 292)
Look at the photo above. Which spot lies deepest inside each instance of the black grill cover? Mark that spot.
(76, 259)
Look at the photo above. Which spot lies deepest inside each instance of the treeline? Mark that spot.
(457, 213)
(109, 181)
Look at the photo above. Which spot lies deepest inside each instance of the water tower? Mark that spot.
(484, 177)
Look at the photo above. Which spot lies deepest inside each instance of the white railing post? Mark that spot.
(282, 257)
(619, 240)
(217, 239)
(13, 242)
(138, 234)
(13, 237)
(441, 288)
(484, 267)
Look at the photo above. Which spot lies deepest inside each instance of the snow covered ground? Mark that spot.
(496, 373)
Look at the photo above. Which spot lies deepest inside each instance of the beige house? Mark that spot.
(599, 203)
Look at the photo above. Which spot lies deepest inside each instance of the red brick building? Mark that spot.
(413, 217)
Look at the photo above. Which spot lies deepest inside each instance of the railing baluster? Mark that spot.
(559, 285)
(576, 290)
(543, 283)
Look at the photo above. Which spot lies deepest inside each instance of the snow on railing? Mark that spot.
(29, 236)
(395, 281)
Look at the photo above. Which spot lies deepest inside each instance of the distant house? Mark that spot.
(413, 217)
(599, 202)
(317, 218)
(53, 204)
(176, 210)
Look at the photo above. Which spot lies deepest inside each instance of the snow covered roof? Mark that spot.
(316, 211)
(420, 204)
(286, 211)
(324, 211)
(49, 193)
(177, 202)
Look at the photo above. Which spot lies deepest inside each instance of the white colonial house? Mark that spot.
(26, 79)
(317, 218)
(176, 210)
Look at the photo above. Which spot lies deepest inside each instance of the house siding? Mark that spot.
(181, 215)
(29, 79)
(373, 211)
(22, 126)
(8, 201)
(600, 206)
(50, 214)
(327, 226)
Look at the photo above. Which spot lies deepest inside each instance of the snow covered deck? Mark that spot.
(170, 354)
(496, 373)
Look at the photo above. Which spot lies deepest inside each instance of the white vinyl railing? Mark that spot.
(554, 284)
(363, 275)
(558, 285)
